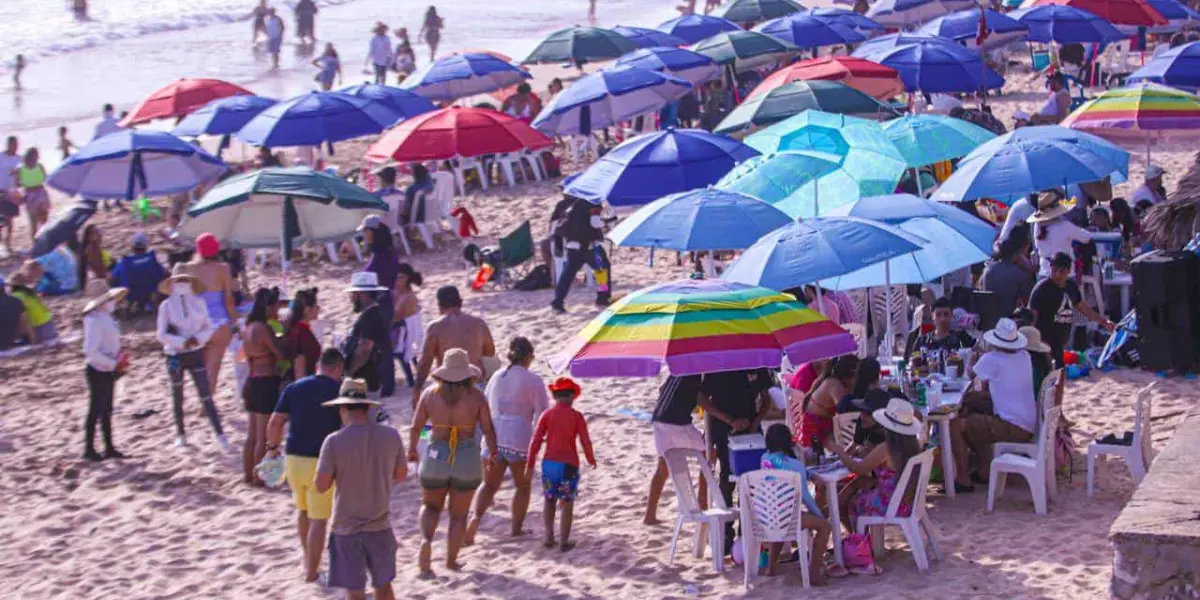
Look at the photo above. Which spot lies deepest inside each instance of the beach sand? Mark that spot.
(172, 524)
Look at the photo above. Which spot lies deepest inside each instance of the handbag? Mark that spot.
(856, 551)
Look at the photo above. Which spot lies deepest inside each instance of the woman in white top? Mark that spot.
(1052, 233)
(516, 397)
(184, 327)
(105, 363)
(1057, 104)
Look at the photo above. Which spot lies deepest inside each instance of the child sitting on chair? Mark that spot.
(560, 427)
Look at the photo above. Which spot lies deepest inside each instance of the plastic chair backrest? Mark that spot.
(395, 202)
(859, 332)
(443, 192)
(843, 428)
(1045, 438)
(517, 247)
(1046, 397)
(923, 464)
(679, 466)
(772, 499)
(418, 213)
(1141, 420)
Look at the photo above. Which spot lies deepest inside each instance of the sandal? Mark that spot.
(871, 571)
(835, 571)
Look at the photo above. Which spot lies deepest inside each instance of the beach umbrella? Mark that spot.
(931, 64)
(222, 116)
(1142, 115)
(128, 164)
(1122, 12)
(794, 98)
(804, 183)
(704, 219)
(847, 17)
(1178, 67)
(647, 167)
(862, 143)
(456, 132)
(460, 75)
(963, 26)
(902, 13)
(180, 99)
(700, 326)
(607, 97)
(684, 64)
(804, 30)
(743, 49)
(694, 28)
(868, 77)
(316, 118)
(579, 45)
(928, 139)
(1065, 25)
(756, 11)
(403, 103)
(1176, 13)
(1030, 160)
(649, 38)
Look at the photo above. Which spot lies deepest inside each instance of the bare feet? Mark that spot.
(567, 546)
(424, 558)
(426, 575)
(520, 532)
(651, 520)
(310, 577)
(549, 543)
(454, 566)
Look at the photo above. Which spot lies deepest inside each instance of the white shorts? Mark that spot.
(668, 436)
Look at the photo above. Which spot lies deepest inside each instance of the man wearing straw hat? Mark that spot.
(105, 361)
(364, 459)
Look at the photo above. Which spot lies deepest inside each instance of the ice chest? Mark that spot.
(746, 451)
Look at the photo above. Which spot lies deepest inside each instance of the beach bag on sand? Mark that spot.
(1064, 453)
(537, 279)
(856, 550)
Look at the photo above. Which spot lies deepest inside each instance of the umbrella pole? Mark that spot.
(917, 178)
(891, 337)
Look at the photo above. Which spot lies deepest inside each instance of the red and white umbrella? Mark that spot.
(456, 132)
(868, 77)
(181, 98)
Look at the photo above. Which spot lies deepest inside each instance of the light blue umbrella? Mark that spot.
(132, 163)
(1033, 159)
(866, 150)
(1178, 67)
(694, 67)
(460, 75)
(649, 38)
(927, 139)
(607, 97)
(804, 183)
(316, 118)
(902, 13)
(699, 220)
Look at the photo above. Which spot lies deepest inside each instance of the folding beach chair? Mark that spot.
(515, 251)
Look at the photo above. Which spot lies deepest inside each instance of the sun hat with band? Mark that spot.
(1050, 205)
(1006, 336)
(165, 288)
(100, 294)
(365, 281)
(353, 391)
(1033, 339)
(456, 367)
(898, 416)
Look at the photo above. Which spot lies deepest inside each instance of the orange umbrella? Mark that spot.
(181, 98)
(868, 77)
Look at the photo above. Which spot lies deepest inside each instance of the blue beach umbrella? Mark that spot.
(403, 103)
(460, 75)
(1033, 159)
(755, 11)
(691, 66)
(927, 139)
(316, 118)
(130, 163)
(647, 167)
(805, 183)
(1065, 25)
(809, 31)
(693, 28)
(607, 97)
(579, 45)
(1178, 67)
(963, 26)
(743, 49)
(222, 116)
(857, 140)
(901, 13)
(699, 220)
(931, 64)
(649, 38)
(847, 17)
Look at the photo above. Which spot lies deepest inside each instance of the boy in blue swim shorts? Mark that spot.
(561, 428)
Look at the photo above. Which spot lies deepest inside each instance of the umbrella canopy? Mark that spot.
(805, 30)
(222, 116)
(804, 183)
(743, 49)
(278, 206)
(1178, 67)
(958, 240)
(868, 77)
(607, 97)
(756, 11)
(963, 26)
(847, 17)
(316, 118)
(1032, 159)
(901, 13)
(700, 326)
(456, 132)
(684, 64)
(812, 250)
(129, 163)
(1177, 15)
(699, 220)
(1065, 25)
(580, 45)
(861, 143)
(647, 167)
(403, 103)
(794, 98)
(931, 64)
(927, 139)
(1121, 12)
(649, 38)
(694, 28)
(1140, 115)
(460, 75)
(180, 99)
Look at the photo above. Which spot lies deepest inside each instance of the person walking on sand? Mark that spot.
(215, 289)
(31, 176)
(369, 340)
(561, 428)
(105, 362)
(274, 28)
(363, 460)
(517, 398)
(258, 21)
(261, 393)
(301, 409)
(65, 145)
(380, 52)
(454, 329)
(306, 21)
(330, 66)
(455, 409)
(407, 332)
(10, 196)
(431, 31)
(185, 330)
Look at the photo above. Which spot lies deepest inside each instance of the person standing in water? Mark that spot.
(306, 21)
(216, 292)
(431, 31)
(259, 24)
(65, 145)
(274, 28)
(330, 66)
(18, 68)
(380, 53)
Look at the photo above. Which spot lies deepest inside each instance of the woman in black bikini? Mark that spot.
(431, 31)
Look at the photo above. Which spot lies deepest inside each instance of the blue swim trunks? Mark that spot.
(560, 481)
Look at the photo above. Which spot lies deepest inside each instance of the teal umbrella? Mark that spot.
(580, 45)
(805, 183)
(796, 97)
(862, 142)
(755, 11)
(743, 49)
(927, 139)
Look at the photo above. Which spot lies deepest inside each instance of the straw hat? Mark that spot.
(899, 417)
(354, 391)
(456, 367)
(100, 294)
(1050, 206)
(1033, 339)
(164, 288)
(365, 281)
(1006, 336)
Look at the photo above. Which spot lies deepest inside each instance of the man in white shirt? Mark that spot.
(1006, 375)
(184, 327)
(108, 123)
(1152, 189)
(380, 53)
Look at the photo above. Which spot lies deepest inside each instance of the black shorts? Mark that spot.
(262, 394)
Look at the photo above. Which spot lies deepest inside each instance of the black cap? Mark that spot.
(447, 297)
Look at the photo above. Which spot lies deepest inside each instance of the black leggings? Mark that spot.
(101, 385)
(192, 362)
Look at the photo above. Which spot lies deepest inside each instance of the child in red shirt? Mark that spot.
(560, 427)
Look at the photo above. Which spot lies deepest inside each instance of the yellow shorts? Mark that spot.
(301, 476)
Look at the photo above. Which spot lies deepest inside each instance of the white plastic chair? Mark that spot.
(442, 200)
(465, 164)
(679, 465)
(1137, 455)
(918, 518)
(859, 331)
(1045, 401)
(878, 299)
(843, 428)
(534, 159)
(422, 199)
(1036, 470)
(509, 163)
(395, 202)
(770, 502)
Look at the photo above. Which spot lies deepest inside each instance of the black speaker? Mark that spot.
(1167, 298)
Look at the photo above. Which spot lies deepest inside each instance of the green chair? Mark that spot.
(516, 250)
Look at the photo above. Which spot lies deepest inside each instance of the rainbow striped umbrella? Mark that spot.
(701, 326)
(1140, 115)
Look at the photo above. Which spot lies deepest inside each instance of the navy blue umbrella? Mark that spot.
(1178, 67)
(931, 64)
(129, 163)
(609, 96)
(403, 103)
(963, 26)
(684, 64)
(694, 28)
(222, 116)
(316, 118)
(461, 75)
(811, 31)
(1065, 25)
(648, 38)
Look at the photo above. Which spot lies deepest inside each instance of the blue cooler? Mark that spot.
(746, 452)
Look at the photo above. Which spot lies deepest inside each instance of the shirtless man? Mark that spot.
(455, 329)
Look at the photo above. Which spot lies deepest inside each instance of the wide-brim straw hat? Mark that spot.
(899, 417)
(365, 281)
(102, 294)
(456, 367)
(165, 286)
(353, 391)
(1050, 206)
(1006, 336)
(1033, 339)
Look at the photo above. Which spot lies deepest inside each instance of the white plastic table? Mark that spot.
(1125, 282)
(943, 423)
(830, 479)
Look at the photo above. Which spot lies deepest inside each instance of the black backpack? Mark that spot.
(537, 279)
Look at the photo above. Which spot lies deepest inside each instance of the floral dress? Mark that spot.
(874, 502)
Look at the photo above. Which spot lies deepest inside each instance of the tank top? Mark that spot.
(31, 177)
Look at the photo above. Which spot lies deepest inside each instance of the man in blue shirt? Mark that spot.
(310, 423)
(140, 273)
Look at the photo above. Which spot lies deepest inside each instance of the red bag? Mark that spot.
(856, 550)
